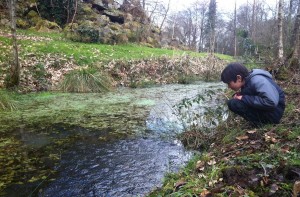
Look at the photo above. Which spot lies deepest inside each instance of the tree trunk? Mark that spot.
(212, 25)
(296, 45)
(289, 29)
(75, 12)
(234, 31)
(253, 24)
(15, 67)
(280, 33)
(165, 16)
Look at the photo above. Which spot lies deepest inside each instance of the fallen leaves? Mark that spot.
(179, 184)
(242, 137)
(296, 188)
(161, 70)
(270, 137)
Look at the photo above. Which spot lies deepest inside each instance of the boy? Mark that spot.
(258, 98)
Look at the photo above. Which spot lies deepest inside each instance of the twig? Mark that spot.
(265, 171)
(225, 154)
(40, 184)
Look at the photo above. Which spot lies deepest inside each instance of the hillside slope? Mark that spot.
(46, 57)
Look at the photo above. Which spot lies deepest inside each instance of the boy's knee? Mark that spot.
(235, 105)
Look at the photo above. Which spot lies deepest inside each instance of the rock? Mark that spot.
(115, 17)
(47, 26)
(22, 24)
(4, 22)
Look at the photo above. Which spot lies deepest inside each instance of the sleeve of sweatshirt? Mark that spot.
(266, 95)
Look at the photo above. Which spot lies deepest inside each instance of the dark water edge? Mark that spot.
(128, 167)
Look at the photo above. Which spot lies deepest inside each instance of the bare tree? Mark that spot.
(253, 22)
(234, 31)
(280, 33)
(165, 16)
(211, 24)
(202, 10)
(75, 12)
(296, 32)
(15, 68)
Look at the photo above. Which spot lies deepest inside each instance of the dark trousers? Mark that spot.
(254, 115)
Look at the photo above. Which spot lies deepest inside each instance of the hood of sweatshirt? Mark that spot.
(258, 72)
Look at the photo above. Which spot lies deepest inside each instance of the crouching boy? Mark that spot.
(258, 98)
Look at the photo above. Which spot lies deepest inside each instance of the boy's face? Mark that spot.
(236, 85)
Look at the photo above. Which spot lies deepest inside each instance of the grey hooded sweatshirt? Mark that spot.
(261, 92)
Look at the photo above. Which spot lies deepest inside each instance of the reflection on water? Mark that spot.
(129, 167)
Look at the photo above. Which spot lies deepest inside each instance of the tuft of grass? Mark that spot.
(186, 79)
(6, 101)
(85, 81)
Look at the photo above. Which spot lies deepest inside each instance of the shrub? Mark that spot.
(199, 116)
(82, 33)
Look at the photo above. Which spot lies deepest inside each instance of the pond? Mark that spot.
(109, 165)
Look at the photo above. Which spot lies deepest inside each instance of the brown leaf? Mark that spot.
(212, 162)
(205, 193)
(200, 165)
(251, 131)
(296, 189)
(285, 149)
(273, 189)
(242, 137)
(265, 180)
(178, 184)
(270, 137)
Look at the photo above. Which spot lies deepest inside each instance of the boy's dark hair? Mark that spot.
(232, 70)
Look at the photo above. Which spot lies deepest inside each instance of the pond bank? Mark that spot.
(246, 161)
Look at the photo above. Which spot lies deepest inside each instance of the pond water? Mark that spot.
(128, 166)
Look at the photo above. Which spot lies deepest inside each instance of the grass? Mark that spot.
(86, 53)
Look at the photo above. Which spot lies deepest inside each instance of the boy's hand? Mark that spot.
(237, 96)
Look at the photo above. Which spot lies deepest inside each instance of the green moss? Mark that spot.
(23, 24)
(32, 14)
(86, 9)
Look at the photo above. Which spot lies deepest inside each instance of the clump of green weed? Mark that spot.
(142, 84)
(86, 80)
(185, 79)
(6, 101)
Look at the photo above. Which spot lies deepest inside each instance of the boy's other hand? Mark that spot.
(237, 96)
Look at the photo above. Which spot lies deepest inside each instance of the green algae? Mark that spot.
(85, 110)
